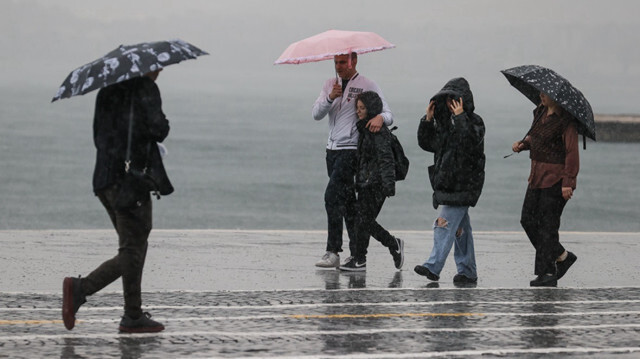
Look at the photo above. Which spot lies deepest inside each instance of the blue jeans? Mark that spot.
(455, 229)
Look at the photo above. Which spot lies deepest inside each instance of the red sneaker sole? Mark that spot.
(68, 316)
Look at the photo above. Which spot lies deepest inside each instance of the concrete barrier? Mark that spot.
(618, 128)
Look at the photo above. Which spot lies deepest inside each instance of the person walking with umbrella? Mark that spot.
(128, 126)
(337, 100)
(133, 224)
(562, 112)
(552, 143)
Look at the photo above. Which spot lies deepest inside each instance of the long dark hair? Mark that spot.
(372, 102)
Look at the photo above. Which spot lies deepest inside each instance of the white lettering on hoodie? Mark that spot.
(343, 133)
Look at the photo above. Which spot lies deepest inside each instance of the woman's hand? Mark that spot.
(431, 110)
(517, 146)
(567, 193)
(455, 106)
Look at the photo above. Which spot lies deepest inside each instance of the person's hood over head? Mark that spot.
(456, 88)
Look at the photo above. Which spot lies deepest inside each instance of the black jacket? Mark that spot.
(375, 159)
(111, 125)
(457, 142)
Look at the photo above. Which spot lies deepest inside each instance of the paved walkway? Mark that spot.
(233, 294)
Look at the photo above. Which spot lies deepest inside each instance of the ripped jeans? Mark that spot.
(453, 226)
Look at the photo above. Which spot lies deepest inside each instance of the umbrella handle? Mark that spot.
(525, 136)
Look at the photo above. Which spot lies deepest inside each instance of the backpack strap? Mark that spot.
(127, 158)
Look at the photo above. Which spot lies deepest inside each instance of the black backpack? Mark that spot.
(401, 161)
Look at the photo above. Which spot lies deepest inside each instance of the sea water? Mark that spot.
(259, 163)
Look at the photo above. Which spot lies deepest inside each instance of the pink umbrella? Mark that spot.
(328, 44)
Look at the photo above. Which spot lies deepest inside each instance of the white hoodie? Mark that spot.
(343, 134)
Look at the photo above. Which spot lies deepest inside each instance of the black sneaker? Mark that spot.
(396, 282)
(463, 279)
(398, 253)
(546, 280)
(357, 280)
(72, 299)
(563, 266)
(354, 266)
(422, 270)
(144, 324)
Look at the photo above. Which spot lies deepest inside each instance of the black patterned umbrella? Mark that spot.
(124, 63)
(533, 79)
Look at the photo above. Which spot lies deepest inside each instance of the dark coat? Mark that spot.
(376, 165)
(457, 142)
(111, 125)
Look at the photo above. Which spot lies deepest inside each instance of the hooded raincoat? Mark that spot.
(457, 142)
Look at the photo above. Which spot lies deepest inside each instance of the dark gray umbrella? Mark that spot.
(124, 63)
(533, 79)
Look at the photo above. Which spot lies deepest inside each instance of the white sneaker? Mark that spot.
(329, 260)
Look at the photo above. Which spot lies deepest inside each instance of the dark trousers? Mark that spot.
(540, 219)
(368, 206)
(340, 197)
(133, 227)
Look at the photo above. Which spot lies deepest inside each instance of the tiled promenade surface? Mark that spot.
(233, 294)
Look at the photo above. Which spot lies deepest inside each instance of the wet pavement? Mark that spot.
(234, 294)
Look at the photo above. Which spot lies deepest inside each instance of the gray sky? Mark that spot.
(592, 43)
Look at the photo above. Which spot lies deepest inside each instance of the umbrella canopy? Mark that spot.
(328, 44)
(533, 79)
(124, 63)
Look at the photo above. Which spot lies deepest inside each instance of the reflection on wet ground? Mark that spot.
(234, 294)
(345, 320)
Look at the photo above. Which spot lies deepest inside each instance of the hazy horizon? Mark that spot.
(592, 43)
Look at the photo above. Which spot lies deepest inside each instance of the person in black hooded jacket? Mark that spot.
(455, 135)
(375, 181)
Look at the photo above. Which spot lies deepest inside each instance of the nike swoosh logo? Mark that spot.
(399, 250)
(358, 265)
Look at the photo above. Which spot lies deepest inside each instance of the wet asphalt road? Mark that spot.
(359, 323)
(233, 294)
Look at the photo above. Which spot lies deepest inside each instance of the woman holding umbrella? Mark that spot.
(553, 148)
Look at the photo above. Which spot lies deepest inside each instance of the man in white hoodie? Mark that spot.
(337, 99)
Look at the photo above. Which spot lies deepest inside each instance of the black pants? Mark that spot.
(340, 197)
(540, 219)
(368, 206)
(133, 227)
